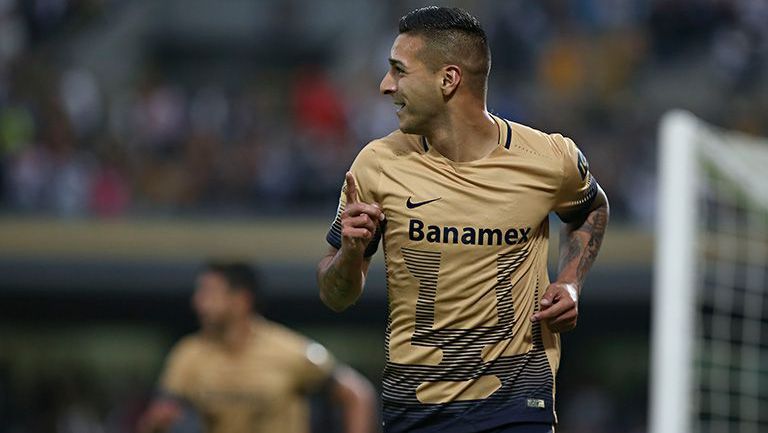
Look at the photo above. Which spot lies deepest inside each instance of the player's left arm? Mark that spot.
(159, 416)
(580, 241)
(583, 207)
(171, 405)
(355, 395)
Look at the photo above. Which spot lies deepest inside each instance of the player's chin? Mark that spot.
(208, 322)
(409, 127)
(403, 123)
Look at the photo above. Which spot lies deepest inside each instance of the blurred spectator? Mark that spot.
(317, 107)
(274, 131)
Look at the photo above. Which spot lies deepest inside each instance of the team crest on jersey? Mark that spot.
(583, 166)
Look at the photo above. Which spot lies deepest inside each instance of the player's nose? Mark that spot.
(387, 85)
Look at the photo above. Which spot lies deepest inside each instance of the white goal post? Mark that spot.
(709, 362)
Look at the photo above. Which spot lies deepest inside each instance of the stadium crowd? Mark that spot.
(74, 143)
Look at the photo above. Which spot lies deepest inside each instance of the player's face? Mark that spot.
(213, 301)
(413, 86)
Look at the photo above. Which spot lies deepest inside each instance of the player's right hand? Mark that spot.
(359, 221)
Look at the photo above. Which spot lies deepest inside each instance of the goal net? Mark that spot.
(709, 367)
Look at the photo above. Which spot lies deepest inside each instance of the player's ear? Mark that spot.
(451, 77)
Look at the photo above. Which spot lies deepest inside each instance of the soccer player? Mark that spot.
(460, 199)
(243, 373)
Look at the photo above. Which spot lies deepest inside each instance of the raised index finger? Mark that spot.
(351, 189)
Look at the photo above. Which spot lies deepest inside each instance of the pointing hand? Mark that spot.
(359, 221)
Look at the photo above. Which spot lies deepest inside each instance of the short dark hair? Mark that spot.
(456, 37)
(238, 275)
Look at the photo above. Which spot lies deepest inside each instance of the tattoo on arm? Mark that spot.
(595, 227)
(341, 282)
(583, 242)
(570, 249)
(336, 283)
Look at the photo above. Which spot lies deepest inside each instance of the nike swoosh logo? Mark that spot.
(412, 205)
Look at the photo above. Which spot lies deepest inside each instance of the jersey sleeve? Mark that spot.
(178, 375)
(316, 366)
(578, 188)
(309, 363)
(366, 171)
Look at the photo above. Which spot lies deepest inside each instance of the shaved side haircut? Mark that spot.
(452, 37)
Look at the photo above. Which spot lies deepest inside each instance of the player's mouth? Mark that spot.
(399, 106)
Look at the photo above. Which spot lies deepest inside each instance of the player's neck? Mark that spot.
(235, 336)
(465, 136)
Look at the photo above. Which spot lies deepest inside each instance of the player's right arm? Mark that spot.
(341, 273)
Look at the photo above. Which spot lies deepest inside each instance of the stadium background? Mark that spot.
(138, 138)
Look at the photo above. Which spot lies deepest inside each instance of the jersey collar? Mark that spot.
(505, 134)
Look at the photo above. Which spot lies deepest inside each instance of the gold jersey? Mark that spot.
(259, 389)
(465, 251)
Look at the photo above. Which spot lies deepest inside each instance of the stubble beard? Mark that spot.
(411, 124)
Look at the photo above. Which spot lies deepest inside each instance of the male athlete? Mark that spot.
(243, 373)
(461, 198)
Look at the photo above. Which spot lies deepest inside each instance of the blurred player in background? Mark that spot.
(243, 373)
(461, 199)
